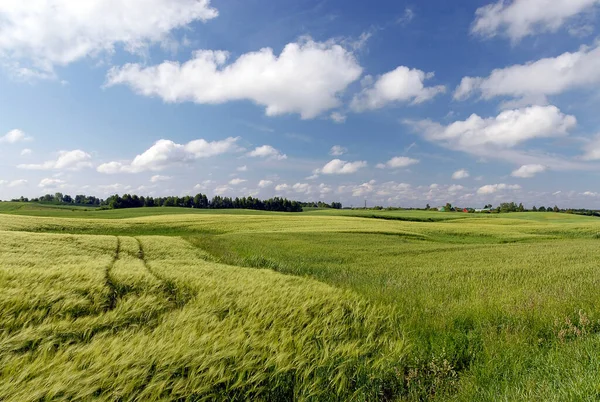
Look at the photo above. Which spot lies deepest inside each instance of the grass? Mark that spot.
(323, 305)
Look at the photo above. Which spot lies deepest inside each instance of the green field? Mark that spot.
(167, 303)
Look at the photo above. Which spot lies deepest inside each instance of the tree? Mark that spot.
(448, 207)
(427, 207)
(556, 209)
(542, 209)
(521, 207)
(534, 209)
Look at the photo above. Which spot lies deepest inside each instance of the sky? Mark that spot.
(399, 103)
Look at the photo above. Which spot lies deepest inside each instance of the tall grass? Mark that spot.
(166, 325)
(306, 307)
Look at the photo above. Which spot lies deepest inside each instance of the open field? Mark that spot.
(325, 305)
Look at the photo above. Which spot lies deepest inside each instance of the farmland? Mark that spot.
(167, 303)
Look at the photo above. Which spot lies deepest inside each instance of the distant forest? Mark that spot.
(198, 201)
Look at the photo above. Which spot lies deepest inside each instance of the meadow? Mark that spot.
(165, 303)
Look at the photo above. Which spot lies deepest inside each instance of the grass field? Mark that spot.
(163, 303)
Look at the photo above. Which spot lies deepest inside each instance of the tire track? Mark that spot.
(179, 295)
(109, 281)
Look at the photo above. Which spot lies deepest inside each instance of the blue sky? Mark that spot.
(400, 103)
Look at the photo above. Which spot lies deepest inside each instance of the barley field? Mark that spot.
(172, 304)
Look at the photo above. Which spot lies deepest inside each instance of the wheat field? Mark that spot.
(312, 306)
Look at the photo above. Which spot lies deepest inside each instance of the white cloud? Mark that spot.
(590, 194)
(496, 136)
(493, 188)
(397, 162)
(301, 188)
(219, 190)
(460, 174)
(204, 185)
(51, 183)
(455, 188)
(338, 117)
(407, 17)
(17, 183)
(37, 35)
(324, 189)
(266, 151)
(536, 80)
(338, 150)
(520, 18)
(592, 149)
(157, 178)
(26, 152)
(70, 160)
(166, 153)
(338, 166)
(14, 136)
(363, 189)
(237, 181)
(242, 168)
(282, 187)
(265, 183)
(528, 171)
(306, 78)
(400, 85)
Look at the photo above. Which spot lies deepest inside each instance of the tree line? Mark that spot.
(200, 201)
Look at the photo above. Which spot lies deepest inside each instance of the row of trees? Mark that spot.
(63, 199)
(198, 201)
(201, 201)
(506, 207)
(321, 204)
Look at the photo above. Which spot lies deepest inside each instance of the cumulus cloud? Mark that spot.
(528, 171)
(17, 183)
(219, 190)
(338, 166)
(495, 137)
(400, 85)
(592, 149)
(282, 187)
(455, 188)
(237, 181)
(166, 153)
(266, 151)
(338, 150)
(204, 185)
(494, 188)
(520, 18)
(338, 117)
(158, 178)
(265, 183)
(363, 189)
(26, 152)
(69, 160)
(536, 80)
(397, 162)
(460, 174)
(301, 188)
(14, 136)
(306, 78)
(242, 168)
(51, 183)
(37, 35)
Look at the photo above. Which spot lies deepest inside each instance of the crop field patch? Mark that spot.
(298, 307)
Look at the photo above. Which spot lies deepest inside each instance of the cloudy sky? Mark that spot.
(397, 102)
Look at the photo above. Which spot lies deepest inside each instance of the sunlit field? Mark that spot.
(167, 303)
